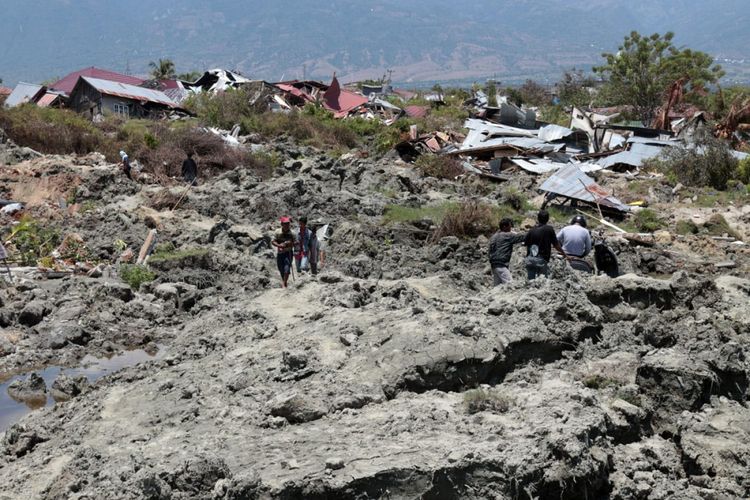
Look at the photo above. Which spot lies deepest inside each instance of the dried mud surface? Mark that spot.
(395, 373)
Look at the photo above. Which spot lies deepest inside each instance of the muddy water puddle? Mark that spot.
(92, 368)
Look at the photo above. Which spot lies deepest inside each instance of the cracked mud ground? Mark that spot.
(395, 373)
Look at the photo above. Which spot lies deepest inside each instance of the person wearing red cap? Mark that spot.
(284, 241)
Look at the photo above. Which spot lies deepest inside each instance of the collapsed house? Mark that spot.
(95, 97)
(216, 80)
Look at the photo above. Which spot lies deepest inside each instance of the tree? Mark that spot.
(643, 68)
(162, 70)
(573, 88)
(491, 91)
(533, 93)
(189, 76)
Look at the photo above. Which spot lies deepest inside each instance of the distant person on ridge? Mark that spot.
(501, 250)
(189, 169)
(539, 242)
(283, 241)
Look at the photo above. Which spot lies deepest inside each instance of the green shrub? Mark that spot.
(477, 400)
(32, 241)
(686, 227)
(708, 162)
(647, 221)
(51, 130)
(717, 225)
(135, 275)
(743, 171)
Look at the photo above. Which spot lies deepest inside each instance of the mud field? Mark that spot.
(397, 372)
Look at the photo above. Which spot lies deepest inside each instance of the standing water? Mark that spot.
(92, 368)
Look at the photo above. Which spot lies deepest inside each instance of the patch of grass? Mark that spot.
(468, 220)
(629, 396)
(686, 227)
(51, 130)
(717, 225)
(599, 382)
(441, 167)
(170, 255)
(647, 221)
(87, 206)
(402, 213)
(477, 400)
(135, 275)
(516, 199)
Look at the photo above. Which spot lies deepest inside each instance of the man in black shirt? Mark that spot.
(501, 250)
(189, 169)
(539, 242)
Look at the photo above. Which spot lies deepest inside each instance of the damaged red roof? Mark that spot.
(5, 90)
(417, 111)
(340, 101)
(66, 84)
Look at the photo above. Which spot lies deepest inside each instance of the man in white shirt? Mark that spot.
(575, 238)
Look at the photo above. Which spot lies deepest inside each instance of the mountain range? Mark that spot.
(419, 40)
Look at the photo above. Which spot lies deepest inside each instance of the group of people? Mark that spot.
(302, 246)
(189, 170)
(573, 242)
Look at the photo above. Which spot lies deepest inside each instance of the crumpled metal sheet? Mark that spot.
(543, 166)
(571, 182)
(551, 133)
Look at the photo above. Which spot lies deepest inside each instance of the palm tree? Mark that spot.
(162, 70)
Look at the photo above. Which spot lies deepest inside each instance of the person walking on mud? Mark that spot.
(284, 240)
(539, 242)
(304, 240)
(501, 250)
(189, 169)
(125, 164)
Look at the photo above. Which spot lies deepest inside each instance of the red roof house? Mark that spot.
(67, 84)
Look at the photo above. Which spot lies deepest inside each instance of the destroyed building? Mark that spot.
(95, 97)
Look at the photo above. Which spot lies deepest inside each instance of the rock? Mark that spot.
(96, 272)
(663, 237)
(33, 313)
(348, 339)
(295, 408)
(673, 381)
(65, 388)
(120, 291)
(32, 389)
(335, 463)
(167, 291)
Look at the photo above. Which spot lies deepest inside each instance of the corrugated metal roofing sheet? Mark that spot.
(571, 182)
(542, 166)
(69, 82)
(417, 111)
(23, 93)
(130, 92)
(47, 99)
(635, 156)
